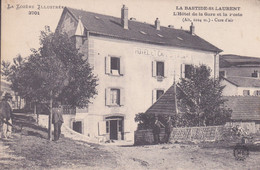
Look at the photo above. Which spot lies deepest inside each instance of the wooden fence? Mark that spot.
(209, 133)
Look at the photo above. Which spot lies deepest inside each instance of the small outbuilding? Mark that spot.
(245, 112)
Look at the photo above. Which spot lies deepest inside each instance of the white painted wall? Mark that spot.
(232, 90)
(137, 80)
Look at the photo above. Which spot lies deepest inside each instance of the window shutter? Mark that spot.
(102, 127)
(182, 70)
(122, 96)
(107, 98)
(165, 69)
(122, 66)
(154, 68)
(153, 96)
(108, 65)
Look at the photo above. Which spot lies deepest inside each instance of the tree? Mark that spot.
(200, 98)
(56, 72)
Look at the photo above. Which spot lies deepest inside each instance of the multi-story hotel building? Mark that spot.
(135, 63)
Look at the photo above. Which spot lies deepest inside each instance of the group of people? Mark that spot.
(6, 116)
(157, 128)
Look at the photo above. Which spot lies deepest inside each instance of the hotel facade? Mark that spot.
(135, 63)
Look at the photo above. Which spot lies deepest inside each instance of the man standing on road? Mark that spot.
(168, 129)
(57, 120)
(5, 116)
(156, 130)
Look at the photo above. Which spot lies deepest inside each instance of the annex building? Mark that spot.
(240, 75)
(135, 62)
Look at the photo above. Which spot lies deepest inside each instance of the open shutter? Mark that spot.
(108, 65)
(122, 97)
(182, 70)
(107, 98)
(122, 66)
(154, 68)
(153, 96)
(102, 127)
(165, 69)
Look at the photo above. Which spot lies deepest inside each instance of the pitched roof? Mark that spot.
(244, 107)
(104, 25)
(165, 104)
(229, 60)
(244, 81)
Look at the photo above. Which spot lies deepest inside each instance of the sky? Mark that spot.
(20, 31)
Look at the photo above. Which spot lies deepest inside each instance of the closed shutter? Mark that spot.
(154, 68)
(122, 97)
(122, 66)
(108, 65)
(107, 97)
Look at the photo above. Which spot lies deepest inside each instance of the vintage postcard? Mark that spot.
(121, 84)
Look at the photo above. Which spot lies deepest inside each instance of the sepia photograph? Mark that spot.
(127, 84)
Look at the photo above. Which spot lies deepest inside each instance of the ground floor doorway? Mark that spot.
(115, 127)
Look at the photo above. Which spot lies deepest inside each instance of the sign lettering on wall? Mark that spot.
(157, 53)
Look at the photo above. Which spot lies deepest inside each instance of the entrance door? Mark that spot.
(113, 129)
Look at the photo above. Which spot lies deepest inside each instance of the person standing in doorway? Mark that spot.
(156, 130)
(168, 129)
(57, 120)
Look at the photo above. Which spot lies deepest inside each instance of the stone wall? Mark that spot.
(209, 133)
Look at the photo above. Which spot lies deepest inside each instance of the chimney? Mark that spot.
(157, 24)
(192, 29)
(124, 17)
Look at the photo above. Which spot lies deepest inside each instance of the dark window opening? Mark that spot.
(188, 70)
(246, 92)
(77, 126)
(159, 93)
(160, 69)
(115, 65)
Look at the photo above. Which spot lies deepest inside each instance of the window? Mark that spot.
(159, 93)
(114, 66)
(257, 93)
(158, 69)
(246, 92)
(186, 70)
(114, 97)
